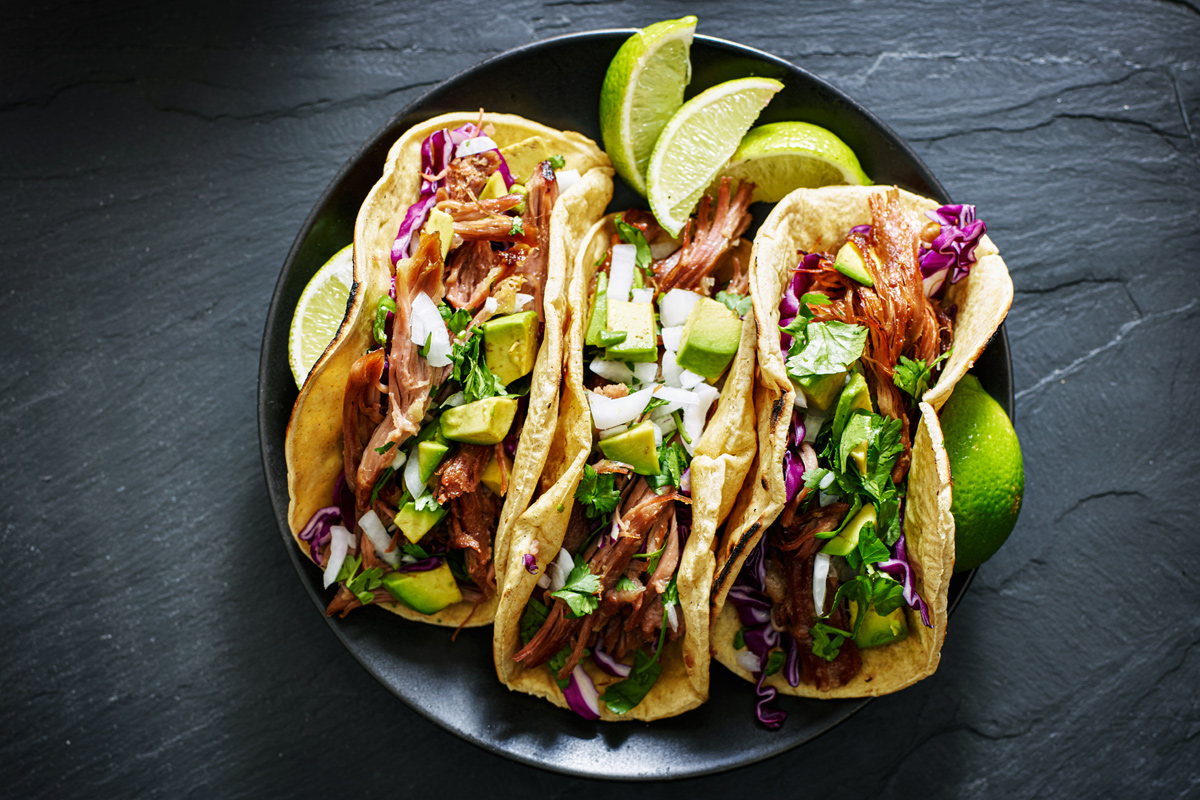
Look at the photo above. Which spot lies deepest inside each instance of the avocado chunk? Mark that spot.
(510, 345)
(634, 447)
(847, 539)
(415, 524)
(426, 592)
(876, 630)
(491, 475)
(855, 397)
(850, 262)
(442, 224)
(494, 188)
(523, 157)
(821, 390)
(637, 321)
(482, 422)
(599, 312)
(710, 339)
(429, 456)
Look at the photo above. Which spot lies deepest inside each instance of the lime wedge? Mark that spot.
(319, 313)
(784, 156)
(642, 89)
(697, 143)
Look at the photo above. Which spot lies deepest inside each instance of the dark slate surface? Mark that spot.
(156, 163)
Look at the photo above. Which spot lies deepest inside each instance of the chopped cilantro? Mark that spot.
(384, 477)
(869, 549)
(598, 493)
(414, 550)
(739, 639)
(652, 559)
(426, 502)
(362, 584)
(624, 695)
(557, 161)
(673, 461)
(774, 662)
(518, 227)
(532, 619)
(387, 446)
(556, 663)
(633, 235)
(825, 348)
(739, 304)
(386, 305)
(913, 376)
(471, 371)
(679, 426)
(580, 590)
(825, 645)
(456, 321)
(625, 584)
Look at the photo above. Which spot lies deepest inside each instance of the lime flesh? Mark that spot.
(784, 156)
(697, 143)
(319, 312)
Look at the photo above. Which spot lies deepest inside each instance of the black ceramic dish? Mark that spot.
(557, 82)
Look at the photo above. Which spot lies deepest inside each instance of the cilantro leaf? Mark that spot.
(580, 590)
(414, 550)
(827, 640)
(652, 559)
(826, 348)
(426, 502)
(739, 639)
(634, 236)
(518, 227)
(387, 446)
(673, 461)
(362, 584)
(887, 594)
(625, 584)
(557, 162)
(384, 477)
(913, 376)
(556, 663)
(598, 493)
(774, 662)
(739, 304)
(456, 321)
(471, 371)
(624, 695)
(532, 619)
(813, 478)
(379, 329)
(671, 593)
(869, 549)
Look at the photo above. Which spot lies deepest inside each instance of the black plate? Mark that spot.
(557, 82)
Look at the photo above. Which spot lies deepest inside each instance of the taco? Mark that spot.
(605, 601)
(432, 408)
(832, 578)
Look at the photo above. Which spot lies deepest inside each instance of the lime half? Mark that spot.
(697, 143)
(642, 89)
(319, 313)
(784, 156)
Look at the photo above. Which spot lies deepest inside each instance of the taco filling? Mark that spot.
(432, 412)
(661, 332)
(863, 336)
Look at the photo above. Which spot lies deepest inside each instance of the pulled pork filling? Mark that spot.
(397, 392)
(628, 529)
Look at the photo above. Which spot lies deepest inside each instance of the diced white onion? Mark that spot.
(559, 569)
(374, 530)
(490, 305)
(672, 617)
(689, 379)
(672, 337)
(800, 401)
(665, 422)
(455, 400)
(610, 411)
(398, 461)
(673, 395)
(427, 324)
(620, 272)
(694, 416)
(642, 295)
(567, 178)
(412, 478)
(544, 580)
(827, 481)
(587, 693)
(820, 574)
(523, 300)
(613, 431)
(658, 433)
(812, 425)
(614, 371)
(339, 545)
(661, 250)
(615, 528)
(646, 372)
(828, 499)
(675, 306)
(670, 369)
(473, 146)
(748, 661)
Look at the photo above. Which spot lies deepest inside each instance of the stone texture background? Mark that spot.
(156, 161)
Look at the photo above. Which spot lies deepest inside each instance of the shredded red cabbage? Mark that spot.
(424, 565)
(685, 482)
(510, 444)
(530, 563)
(865, 230)
(609, 664)
(899, 568)
(789, 305)
(317, 532)
(954, 248)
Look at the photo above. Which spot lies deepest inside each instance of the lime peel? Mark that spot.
(319, 312)
(781, 157)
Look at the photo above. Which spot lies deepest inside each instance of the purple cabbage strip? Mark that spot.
(789, 305)
(954, 247)
(793, 474)
(424, 565)
(791, 665)
(767, 714)
(317, 532)
(530, 563)
(510, 445)
(577, 696)
(413, 220)
(865, 230)
(899, 568)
